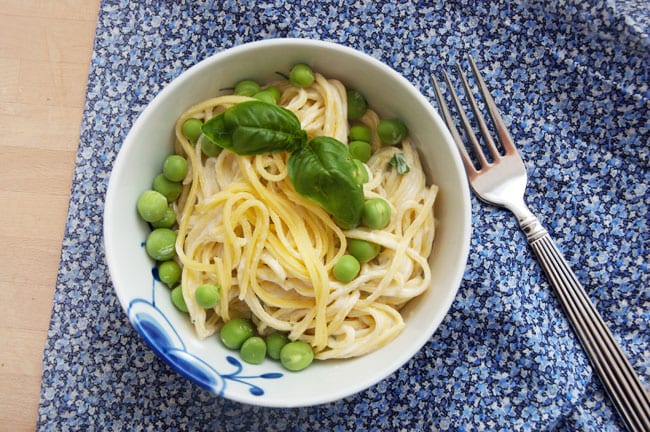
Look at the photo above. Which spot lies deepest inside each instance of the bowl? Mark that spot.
(147, 302)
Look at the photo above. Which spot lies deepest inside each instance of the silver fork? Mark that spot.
(502, 182)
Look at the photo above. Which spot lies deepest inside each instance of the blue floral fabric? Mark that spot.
(571, 78)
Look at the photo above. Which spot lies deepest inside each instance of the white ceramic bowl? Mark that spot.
(147, 302)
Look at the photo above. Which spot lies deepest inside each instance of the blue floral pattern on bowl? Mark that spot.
(159, 333)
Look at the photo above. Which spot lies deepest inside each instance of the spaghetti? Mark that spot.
(243, 226)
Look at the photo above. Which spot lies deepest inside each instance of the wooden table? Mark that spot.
(45, 51)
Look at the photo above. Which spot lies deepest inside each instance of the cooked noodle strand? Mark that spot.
(242, 225)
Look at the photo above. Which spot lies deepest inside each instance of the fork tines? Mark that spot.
(500, 127)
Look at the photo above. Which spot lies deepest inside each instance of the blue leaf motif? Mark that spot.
(196, 369)
(256, 391)
(233, 361)
(152, 332)
(236, 377)
(159, 333)
(154, 326)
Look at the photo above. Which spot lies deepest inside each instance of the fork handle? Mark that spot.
(614, 370)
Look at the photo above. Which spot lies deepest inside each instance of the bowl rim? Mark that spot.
(142, 117)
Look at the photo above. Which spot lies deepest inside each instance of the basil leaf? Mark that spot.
(255, 127)
(399, 163)
(324, 172)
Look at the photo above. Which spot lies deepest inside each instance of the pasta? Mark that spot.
(242, 225)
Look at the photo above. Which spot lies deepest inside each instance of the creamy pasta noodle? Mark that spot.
(243, 226)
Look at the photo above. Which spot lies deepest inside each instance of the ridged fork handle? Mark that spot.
(607, 358)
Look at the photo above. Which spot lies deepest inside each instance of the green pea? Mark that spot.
(359, 133)
(192, 129)
(253, 350)
(360, 150)
(361, 173)
(207, 296)
(363, 250)
(178, 300)
(247, 88)
(274, 91)
(151, 205)
(346, 269)
(270, 95)
(296, 356)
(161, 244)
(171, 190)
(235, 332)
(301, 75)
(265, 96)
(209, 148)
(391, 132)
(375, 213)
(169, 273)
(357, 105)
(274, 343)
(175, 168)
(168, 220)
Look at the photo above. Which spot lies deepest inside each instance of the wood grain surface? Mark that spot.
(45, 51)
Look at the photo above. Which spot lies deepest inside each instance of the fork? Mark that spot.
(502, 182)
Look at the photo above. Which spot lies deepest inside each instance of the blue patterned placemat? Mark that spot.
(572, 80)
